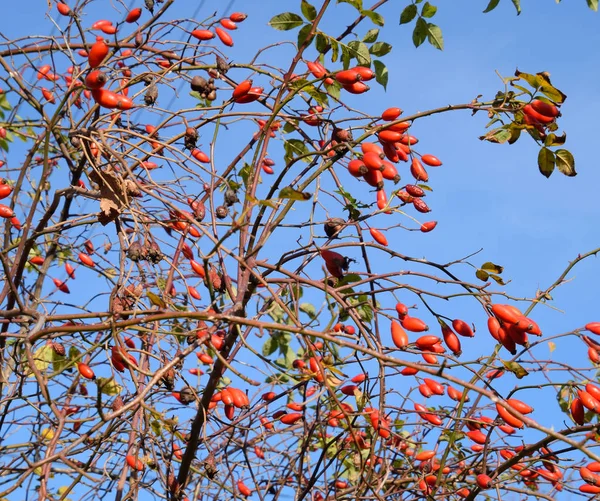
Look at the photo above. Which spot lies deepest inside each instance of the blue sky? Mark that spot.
(485, 196)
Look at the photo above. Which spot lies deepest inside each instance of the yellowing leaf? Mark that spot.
(292, 194)
(492, 268)
(516, 369)
(108, 386)
(47, 434)
(155, 300)
(552, 346)
(42, 358)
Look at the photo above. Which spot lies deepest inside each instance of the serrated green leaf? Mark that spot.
(308, 11)
(290, 193)
(546, 162)
(108, 386)
(428, 10)
(371, 35)
(491, 6)
(434, 36)
(565, 162)
(286, 21)
(380, 49)
(381, 73)
(303, 35)
(375, 17)
(360, 52)
(493, 268)
(408, 14)
(482, 275)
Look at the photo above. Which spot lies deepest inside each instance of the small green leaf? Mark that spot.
(381, 73)
(335, 49)
(59, 362)
(360, 52)
(321, 43)
(565, 162)
(420, 32)
(380, 49)
(286, 21)
(303, 35)
(493, 268)
(482, 275)
(434, 36)
(108, 386)
(428, 10)
(292, 194)
(334, 90)
(308, 11)
(4, 104)
(376, 18)
(270, 346)
(593, 4)
(294, 148)
(371, 36)
(491, 6)
(517, 4)
(309, 309)
(155, 300)
(516, 368)
(408, 14)
(546, 161)
(500, 136)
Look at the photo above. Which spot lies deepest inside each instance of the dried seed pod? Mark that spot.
(199, 84)
(212, 95)
(333, 227)
(199, 210)
(58, 348)
(151, 95)
(139, 39)
(230, 197)
(221, 212)
(222, 65)
(168, 380)
(341, 135)
(186, 395)
(136, 252)
(191, 137)
(153, 253)
(117, 404)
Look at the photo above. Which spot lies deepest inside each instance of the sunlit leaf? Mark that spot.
(546, 161)
(292, 194)
(420, 32)
(371, 36)
(375, 17)
(482, 275)
(381, 73)
(155, 300)
(434, 36)
(286, 21)
(408, 14)
(428, 10)
(516, 368)
(565, 162)
(308, 11)
(493, 268)
(380, 49)
(108, 386)
(491, 6)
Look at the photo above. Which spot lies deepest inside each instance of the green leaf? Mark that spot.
(542, 82)
(428, 10)
(4, 104)
(317, 95)
(516, 368)
(309, 309)
(59, 362)
(420, 32)
(108, 386)
(292, 194)
(565, 162)
(303, 35)
(321, 43)
(286, 21)
(357, 4)
(294, 148)
(375, 17)
(360, 52)
(380, 49)
(334, 90)
(493, 268)
(42, 358)
(270, 346)
(155, 300)
(517, 4)
(335, 49)
(491, 6)
(371, 36)
(593, 4)
(546, 161)
(381, 73)
(482, 275)
(434, 36)
(554, 140)
(408, 14)
(500, 136)
(308, 11)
